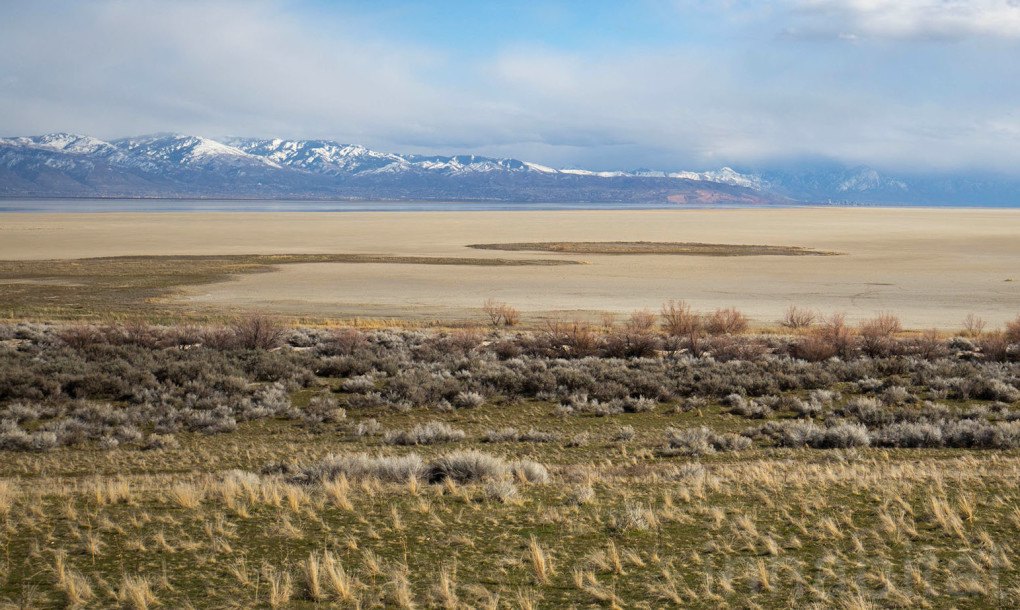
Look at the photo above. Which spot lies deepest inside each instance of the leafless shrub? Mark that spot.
(973, 326)
(814, 348)
(878, 334)
(678, 320)
(80, 336)
(835, 333)
(640, 321)
(500, 314)
(729, 321)
(257, 331)
(574, 340)
(1012, 332)
(797, 318)
(928, 345)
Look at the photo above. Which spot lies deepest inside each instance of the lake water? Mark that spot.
(249, 205)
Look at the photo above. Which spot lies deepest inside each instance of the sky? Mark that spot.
(922, 85)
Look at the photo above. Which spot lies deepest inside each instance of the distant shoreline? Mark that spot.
(255, 205)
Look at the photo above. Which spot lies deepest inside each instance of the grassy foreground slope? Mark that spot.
(255, 466)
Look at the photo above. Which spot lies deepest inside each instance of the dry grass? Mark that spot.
(138, 286)
(647, 247)
(291, 513)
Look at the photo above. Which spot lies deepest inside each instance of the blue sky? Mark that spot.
(901, 84)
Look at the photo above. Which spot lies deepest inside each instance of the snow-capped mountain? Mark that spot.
(175, 165)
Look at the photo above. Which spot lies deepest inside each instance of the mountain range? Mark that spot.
(184, 166)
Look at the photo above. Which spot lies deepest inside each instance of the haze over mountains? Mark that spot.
(184, 166)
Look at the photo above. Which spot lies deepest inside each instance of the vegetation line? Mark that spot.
(651, 247)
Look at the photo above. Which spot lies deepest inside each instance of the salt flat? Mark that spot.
(929, 266)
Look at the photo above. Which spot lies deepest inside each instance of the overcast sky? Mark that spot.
(905, 84)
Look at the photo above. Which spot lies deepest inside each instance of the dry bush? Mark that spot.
(837, 334)
(678, 320)
(466, 467)
(797, 318)
(929, 345)
(640, 322)
(344, 342)
(429, 433)
(1012, 332)
(973, 326)
(577, 339)
(500, 313)
(729, 321)
(879, 333)
(257, 331)
(80, 336)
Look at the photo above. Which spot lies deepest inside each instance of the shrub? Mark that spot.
(800, 434)
(429, 433)
(500, 314)
(631, 344)
(640, 322)
(396, 469)
(257, 331)
(841, 436)
(837, 334)
(580, 495)
(468, 400)
(624, 434)
(678, 320)
(797, 318)
(503, 435)
(729, 321)
(878, 334)
(1012, 332)
(702, 441)
(538, 436)
(973, 326)
(814, 348)
(360, 384)
(501, 491)
(324, 408)
(529, 471)
(466, 467)
(908, 435)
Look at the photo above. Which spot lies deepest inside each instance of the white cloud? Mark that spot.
(906, 19)
(113, 68)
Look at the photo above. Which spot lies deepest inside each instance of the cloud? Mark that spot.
(729, 95)
(905, 19)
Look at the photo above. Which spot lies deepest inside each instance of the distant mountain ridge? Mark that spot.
(177, 165)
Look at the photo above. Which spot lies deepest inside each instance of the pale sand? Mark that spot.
(931, 267)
